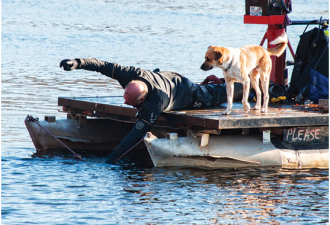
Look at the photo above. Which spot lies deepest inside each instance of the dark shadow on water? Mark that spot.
(135, 159)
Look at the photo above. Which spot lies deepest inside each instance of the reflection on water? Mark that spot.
(170, 35)
(98, 193)
(267, 195)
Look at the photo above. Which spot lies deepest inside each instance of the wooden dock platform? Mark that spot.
(278, 115)
(98, 124)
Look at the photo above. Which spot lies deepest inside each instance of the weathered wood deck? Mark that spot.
(278, 115)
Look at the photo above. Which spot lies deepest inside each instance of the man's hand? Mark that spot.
(69, 64)
(113, 157)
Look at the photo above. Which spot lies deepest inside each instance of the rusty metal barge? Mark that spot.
(289, 135)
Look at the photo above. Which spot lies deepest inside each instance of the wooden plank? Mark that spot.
(278, 115)
(93, 104)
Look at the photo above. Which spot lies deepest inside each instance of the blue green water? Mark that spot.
(170, 35)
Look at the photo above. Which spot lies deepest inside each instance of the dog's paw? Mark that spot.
(257, 107)
(263, 110)
(246, 108)
(226, 112)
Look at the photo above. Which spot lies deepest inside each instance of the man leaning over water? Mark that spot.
(151, 93)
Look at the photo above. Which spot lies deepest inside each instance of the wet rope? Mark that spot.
(32, 119)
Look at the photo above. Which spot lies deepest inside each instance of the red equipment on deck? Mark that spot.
(273, 13)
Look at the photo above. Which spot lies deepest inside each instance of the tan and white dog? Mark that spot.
(251, 62)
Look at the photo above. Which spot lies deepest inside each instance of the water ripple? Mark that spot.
(170, 35)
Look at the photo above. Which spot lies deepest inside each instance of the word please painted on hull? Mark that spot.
(305, 134)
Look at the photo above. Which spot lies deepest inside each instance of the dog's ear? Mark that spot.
(210, 46)
(217, 55)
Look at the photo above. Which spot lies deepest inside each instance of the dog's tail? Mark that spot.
(281, 43)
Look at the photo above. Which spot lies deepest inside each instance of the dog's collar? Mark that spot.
(228, 68)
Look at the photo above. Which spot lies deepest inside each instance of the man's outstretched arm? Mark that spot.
(90, 64)
(144, 124)
(137, 133)
(123, 74)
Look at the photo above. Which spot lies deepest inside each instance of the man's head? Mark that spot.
(135, 93)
